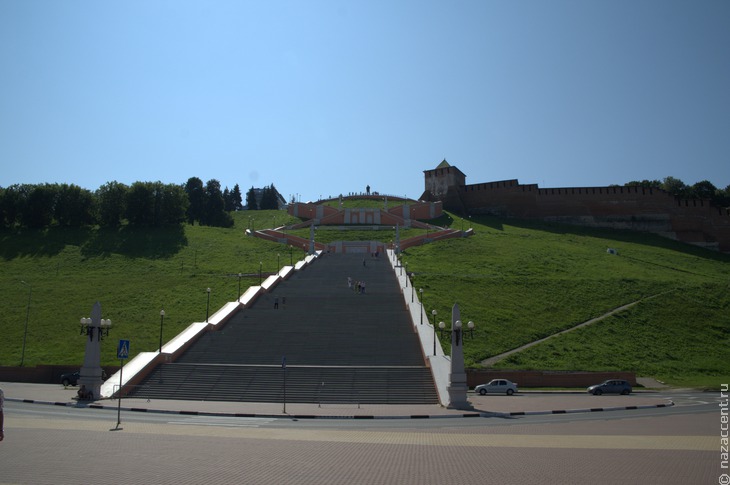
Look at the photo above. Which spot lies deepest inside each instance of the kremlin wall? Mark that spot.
(693, 221)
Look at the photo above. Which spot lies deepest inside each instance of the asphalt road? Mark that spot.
(53, 444)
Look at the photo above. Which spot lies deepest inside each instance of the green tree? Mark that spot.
(74, 206)
(227, 200)
(251, 199)
(112, 203)
(174, 204)
(722, 199)
(215, 214)
(196, 199)
(703, 190)
(140, 205)
(11, 201)
(674, 186)
(37, 212)
(269, 198)
(648, 184)
(236, 198)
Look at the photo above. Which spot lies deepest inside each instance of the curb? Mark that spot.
(368, 417)
(587, 410)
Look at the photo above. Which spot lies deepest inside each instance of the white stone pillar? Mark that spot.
(90, 373)
(457, 378)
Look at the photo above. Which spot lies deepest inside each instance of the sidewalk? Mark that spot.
(523, 403)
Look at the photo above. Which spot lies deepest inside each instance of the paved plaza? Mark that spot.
(51, 441)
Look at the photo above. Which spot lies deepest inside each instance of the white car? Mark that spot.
(497, 386)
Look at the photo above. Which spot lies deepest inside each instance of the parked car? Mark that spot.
(497, 386)
(614, 386)
(70, 379)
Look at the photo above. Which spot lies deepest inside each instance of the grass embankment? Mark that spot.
(517, 281)
(134, 273)
(520, 282)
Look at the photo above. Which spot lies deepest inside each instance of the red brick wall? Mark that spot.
(636, 208)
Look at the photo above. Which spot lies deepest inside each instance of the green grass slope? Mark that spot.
(134, 273)
(520, 282)
(517, 281)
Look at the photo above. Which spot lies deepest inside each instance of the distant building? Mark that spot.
(259, 193)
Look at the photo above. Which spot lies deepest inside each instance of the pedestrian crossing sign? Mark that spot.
(123, 349)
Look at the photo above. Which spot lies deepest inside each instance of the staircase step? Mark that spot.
(340, 346)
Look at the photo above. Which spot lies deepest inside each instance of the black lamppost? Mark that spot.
(207, 306)
(407, 276)
(420, 290)
(291, 258)
(434, 313)
(261, 268)
(239, 286)
(162, 319)
(27, 316)
(278, 266)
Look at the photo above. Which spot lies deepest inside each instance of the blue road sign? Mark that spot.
(123, 349)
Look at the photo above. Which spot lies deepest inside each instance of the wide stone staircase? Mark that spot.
(339, 346)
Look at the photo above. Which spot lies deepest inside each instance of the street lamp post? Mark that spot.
(407, 276)
(90, 374)
(239, 286)
(162, 318)
(207, 305)
(457, 328)
(261, 268)
(27, 317)
(420, 291)
(291, 257)
(434, 313)
(278, 265)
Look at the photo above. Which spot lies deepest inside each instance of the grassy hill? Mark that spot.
(134, 273)
(517, 281)
(522, 281)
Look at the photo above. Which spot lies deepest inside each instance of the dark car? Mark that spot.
(612, 386)
(70, 379)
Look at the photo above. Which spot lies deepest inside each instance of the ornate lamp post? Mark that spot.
(207, 306)
(457, 378)
(96, 328)
(162, 318)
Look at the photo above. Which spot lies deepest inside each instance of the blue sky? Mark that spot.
(326, 97)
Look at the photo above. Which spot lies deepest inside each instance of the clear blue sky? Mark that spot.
(326, 97)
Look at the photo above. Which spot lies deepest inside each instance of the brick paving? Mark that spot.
(187, 449)
(62, 451)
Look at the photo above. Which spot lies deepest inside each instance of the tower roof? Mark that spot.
(443, 164)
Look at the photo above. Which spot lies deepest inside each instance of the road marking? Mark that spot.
(224, 422)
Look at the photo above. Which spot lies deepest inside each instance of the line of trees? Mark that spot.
(140, 204)
(701, 190)
(269, 199)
